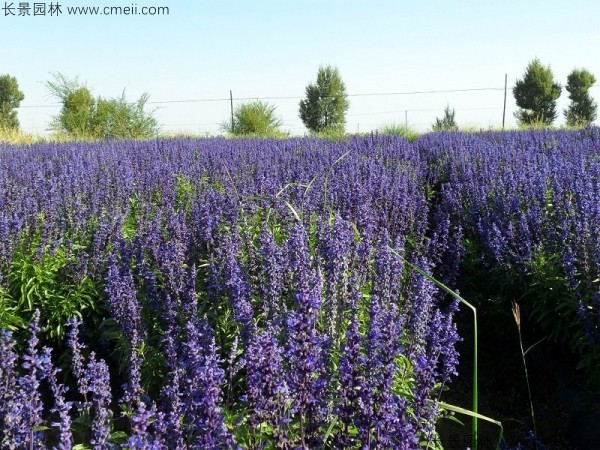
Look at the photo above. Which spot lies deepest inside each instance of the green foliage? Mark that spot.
(184, 193)
(118, 118)
(84, 117)
(78, 105)
(10, 319)
(254, 119)
(583, 109)
(555, 307)
(400, 130)
(536, 95)
(446, 123)
(46, 282)
(76, 115)
(332, 134)
(326, 102)
(10, 99)
(549, 297)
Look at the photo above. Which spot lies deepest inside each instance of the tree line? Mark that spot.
(322, 110)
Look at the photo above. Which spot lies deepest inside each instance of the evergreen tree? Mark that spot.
(536, 95)
(583, 109)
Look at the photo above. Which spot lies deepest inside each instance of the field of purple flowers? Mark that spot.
(208, 294)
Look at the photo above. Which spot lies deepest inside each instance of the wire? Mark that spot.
(371, 94)
(426, 110)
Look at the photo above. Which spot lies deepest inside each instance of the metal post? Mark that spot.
(504, 109)
(231, 102)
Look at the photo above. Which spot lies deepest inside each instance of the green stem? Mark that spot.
(528, 386)
(443, 287)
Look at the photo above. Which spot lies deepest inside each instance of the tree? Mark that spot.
(78, 105)
(326, 102)
(83, 116)
(255, 118)
(10, 99)
(583, 109)
(447, 123)
(76, 115)
(536, 95)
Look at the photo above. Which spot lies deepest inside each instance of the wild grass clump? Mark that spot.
(401, 130)
(14, 136)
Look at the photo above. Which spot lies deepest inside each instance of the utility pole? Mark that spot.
(231, 103)
(406, 118)
(504, 109)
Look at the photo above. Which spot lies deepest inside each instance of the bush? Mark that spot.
(254, 119)
(446, 123)
(84, 117)
(400, 130)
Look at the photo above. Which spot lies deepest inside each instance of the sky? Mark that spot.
(189, 59)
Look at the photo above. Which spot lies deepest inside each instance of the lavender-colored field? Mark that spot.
(249, 293)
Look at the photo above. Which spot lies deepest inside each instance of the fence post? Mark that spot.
(504, 108)
(231, 103)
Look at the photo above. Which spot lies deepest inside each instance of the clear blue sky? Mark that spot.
(271, 48)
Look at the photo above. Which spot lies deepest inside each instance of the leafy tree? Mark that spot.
(536, 95)
(446, 123)
(326, 102)
(583, 109)
(254, 119)
(10, 99)
(83, 116)
(76, 115)
(78, 105)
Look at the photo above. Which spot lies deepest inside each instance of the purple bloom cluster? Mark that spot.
(253, 286)
(531, 199)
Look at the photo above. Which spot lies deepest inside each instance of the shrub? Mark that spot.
(446, 123)
(400, 130)
(84, 117)
(254, 119)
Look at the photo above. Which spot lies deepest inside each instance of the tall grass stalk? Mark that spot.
(516, 310)
(443, 287)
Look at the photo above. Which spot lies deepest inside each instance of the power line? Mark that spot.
(445, 91)
(50, 105)
(423, 110)
(370, 94)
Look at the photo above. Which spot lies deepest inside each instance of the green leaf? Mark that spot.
(330, 428)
